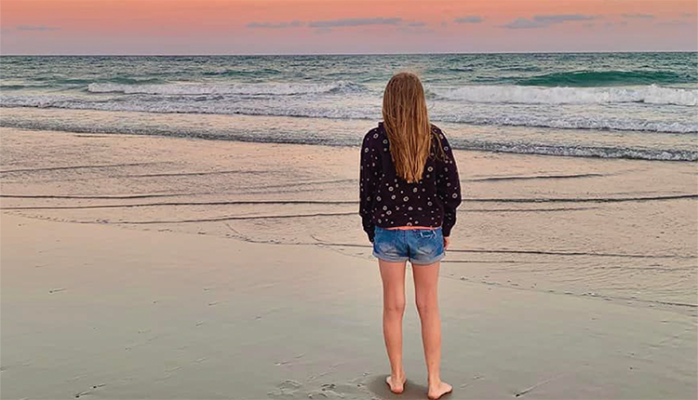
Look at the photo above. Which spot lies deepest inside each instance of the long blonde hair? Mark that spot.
(406, 122)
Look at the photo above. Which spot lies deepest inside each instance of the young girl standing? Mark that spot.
(409, 192)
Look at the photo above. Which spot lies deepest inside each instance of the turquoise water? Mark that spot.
(555, 104)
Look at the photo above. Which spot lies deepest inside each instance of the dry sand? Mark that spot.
(189, 311)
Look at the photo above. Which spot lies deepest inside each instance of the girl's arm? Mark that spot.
(448, 185)
(368, 181)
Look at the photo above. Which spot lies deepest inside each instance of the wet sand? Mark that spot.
(110, 313)
(143, 267)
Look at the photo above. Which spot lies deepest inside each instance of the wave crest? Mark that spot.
(320, 108)
(251, 89)
(566, 95)
(580, 151)
(607, 78)
(213, 132)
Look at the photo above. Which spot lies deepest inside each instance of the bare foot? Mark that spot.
(439, 389)
(397, 387)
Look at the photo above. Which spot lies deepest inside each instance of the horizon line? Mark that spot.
(343, 54)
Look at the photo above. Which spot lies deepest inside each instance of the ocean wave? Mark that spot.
(574, 122)
(21, 86)
(530, 68)
(239, 105)
(126, 80)
(251, 89)
(56, 81)
(288, 137)
(579, 151)
(607, 78)
(243, 73)
(449, 70)
(566, 95)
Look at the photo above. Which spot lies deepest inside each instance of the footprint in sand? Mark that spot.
(291, 389)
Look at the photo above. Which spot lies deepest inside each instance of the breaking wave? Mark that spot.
(226, 104)
(224, 133)
(566, 95)
(251, 89)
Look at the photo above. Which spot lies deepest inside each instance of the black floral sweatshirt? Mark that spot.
(388, 201)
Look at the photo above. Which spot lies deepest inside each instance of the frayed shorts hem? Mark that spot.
(390, 259)
(413, 262)
(428, 262)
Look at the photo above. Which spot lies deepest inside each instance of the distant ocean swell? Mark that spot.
(503, 146)
(264, 72)
(253, 89)
(608, 78)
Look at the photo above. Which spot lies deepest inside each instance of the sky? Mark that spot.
(147, 27)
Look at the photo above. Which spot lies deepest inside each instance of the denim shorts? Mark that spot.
(419, 246)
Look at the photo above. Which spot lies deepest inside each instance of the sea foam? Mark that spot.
(566, 95)
(296, 106)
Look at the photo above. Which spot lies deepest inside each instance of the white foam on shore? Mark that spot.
(569, 148)
(566, 95)
(236, 104)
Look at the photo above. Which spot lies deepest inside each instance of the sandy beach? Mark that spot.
(150, 267)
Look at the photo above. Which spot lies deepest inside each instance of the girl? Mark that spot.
(409, 192)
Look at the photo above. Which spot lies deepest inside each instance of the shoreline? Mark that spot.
(237, 140)
(199, 186)
(562, 141)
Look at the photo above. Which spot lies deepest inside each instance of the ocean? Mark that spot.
(611, 105)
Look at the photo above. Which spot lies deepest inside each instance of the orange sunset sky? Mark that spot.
(342, 26)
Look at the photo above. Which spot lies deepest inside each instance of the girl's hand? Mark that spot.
(447, 241)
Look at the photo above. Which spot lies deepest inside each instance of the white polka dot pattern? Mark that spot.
(439, 193)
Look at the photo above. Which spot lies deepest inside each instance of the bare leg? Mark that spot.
(393, 276)
(426, 278)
